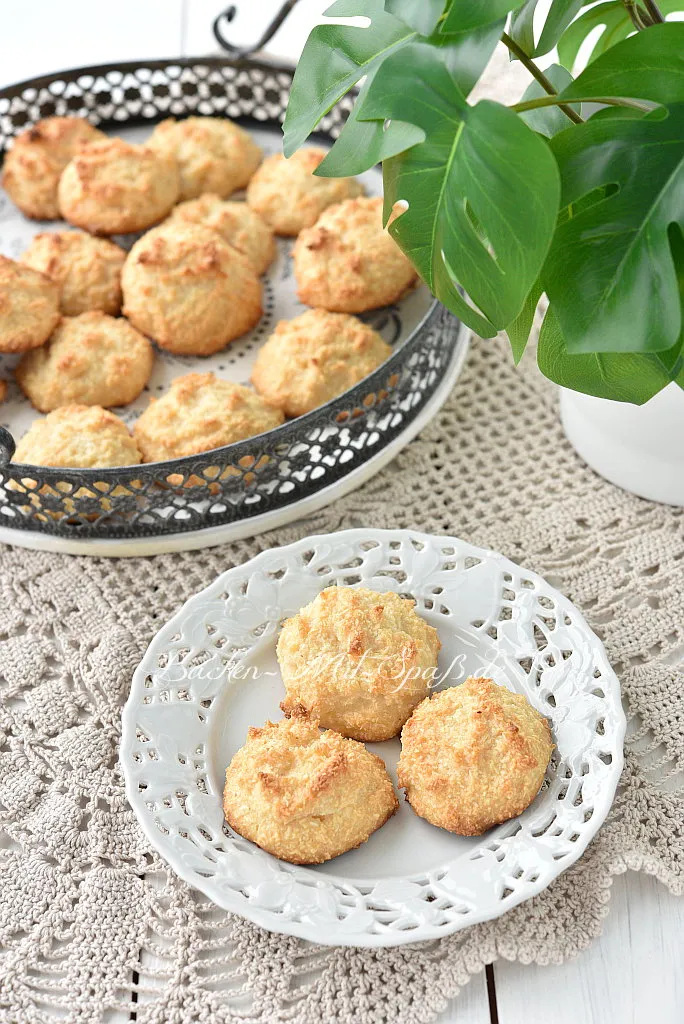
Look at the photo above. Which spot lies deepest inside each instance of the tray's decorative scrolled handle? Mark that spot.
(7, 447)
(244, 51)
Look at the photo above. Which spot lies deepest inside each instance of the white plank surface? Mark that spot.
(635, 972)
(471, 1006)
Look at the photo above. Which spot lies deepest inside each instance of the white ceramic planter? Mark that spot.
(639, 448)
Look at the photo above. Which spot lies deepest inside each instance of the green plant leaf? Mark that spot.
(617, 113)
(465, 55)
(647, 66)
(334, 59)
(420, 15)
(561, 13)
(549, 121)
(519, 330)
(521, 28)
(480, 159)
(361, 144)
(627, 377)
(617, 26)
(464, 15)
(610, 273)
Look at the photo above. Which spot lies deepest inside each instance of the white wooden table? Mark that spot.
(635, 972)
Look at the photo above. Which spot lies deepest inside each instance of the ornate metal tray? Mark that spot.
(281, 474)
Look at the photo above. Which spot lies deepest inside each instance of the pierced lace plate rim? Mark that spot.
(311, 931)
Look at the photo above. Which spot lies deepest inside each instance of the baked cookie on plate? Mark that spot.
(287, 194)
(87, 269)
(189, 290)
(358, 661)
(114, 187)
(473, 756)
(29, 306)
(348, 263)
(35, 163)
(315, 357)
(236, 223)
(91, 359)
(213, 154)
(304, 795)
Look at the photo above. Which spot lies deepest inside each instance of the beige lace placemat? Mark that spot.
(94, 925)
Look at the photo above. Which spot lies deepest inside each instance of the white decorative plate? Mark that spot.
(211, 672)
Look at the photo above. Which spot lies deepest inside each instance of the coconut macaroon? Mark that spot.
(35, 163)
(200, 412)
(287, 194)
(114, 187)
(348, 263)
(87, 269)
(304, 795)
(29, 306)
(189, 290)
(473, 756)
(236, 223)
(91, 359)
(213, 154)
(358, 661)
(315, 357)
(75, 436)
(84, 436)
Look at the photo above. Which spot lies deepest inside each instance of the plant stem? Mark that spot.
(550, 101)
(635, 15)
(653, 10)
(545, 83)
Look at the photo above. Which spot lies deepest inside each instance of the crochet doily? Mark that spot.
(92, 922)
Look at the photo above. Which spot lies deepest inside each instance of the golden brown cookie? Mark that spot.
(87, 269)
(3, 389)
(348, 263)
(35, 163)
(113, 187)
(358, 661)
(91, 359)
(213, 154)
(473, 755)
(236, 223)
(29, 306)
(189, 290)
(84, 436)
(287, 194)
(315, 357)
(200, 412)
(75, 436)
(304, 795)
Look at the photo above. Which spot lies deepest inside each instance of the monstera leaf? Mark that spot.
(616, 23)
(362, 144)
(334, 59)
(420, 15)
(647, 66)
(610, 274)
(468, 212)
(464, 15)
(521, 28)
(624, 377)
(560, 14)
